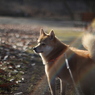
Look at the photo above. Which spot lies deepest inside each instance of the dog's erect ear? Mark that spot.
(42, 32)
(52, 35)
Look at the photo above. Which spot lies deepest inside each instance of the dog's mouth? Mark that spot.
(38, 51)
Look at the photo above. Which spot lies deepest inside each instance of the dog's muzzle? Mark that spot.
(36, 50)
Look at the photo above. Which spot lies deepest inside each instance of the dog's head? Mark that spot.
(45, 42)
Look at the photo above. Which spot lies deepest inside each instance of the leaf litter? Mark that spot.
(18, 69)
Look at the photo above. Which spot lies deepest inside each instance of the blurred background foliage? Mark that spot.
(65, 9)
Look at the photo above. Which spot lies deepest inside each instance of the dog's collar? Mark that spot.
(53, 60)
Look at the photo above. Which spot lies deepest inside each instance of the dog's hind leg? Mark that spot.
(62, 87)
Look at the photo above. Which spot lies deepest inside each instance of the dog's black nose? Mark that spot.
(34, 48)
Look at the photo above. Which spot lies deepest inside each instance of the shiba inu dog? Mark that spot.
(81, 62)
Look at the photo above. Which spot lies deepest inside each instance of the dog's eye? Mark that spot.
(43, 44)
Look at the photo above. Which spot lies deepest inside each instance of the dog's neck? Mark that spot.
(59, 49)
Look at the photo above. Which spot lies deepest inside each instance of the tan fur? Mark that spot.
(80, 62)
(89, 43)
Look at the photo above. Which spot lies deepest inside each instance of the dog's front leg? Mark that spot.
(52, 85)
(50, 73)
(62, 87)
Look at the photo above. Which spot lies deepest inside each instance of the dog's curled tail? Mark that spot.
(88, 42)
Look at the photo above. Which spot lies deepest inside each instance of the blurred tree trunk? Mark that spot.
(69, 9)
(90, 4)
